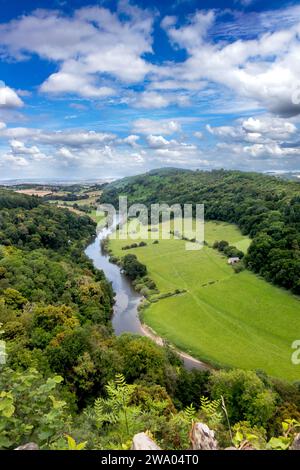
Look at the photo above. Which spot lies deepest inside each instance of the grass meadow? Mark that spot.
(224, 318)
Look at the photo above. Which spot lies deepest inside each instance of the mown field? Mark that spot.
(225, 318)
(85, 206)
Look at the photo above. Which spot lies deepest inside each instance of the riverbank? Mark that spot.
(126, 318)
(150, 333)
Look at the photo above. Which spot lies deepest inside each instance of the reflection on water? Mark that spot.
(125, 317)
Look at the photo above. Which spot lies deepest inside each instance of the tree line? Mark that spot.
(265, 208)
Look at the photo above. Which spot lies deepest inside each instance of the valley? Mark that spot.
(223, 318)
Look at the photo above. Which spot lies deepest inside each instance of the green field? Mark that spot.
(225, 318)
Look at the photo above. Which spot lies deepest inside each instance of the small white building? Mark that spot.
(233, 260)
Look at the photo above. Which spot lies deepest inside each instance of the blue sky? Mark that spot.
(113, 88)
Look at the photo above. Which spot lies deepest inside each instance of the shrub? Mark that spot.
(132, 267)
(247, 398)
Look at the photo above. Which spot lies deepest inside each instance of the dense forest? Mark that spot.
(264, 207)
(70, 383)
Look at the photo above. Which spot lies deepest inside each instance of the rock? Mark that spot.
(203, 438)
(296, 443)
(29, 446)
(143, 442)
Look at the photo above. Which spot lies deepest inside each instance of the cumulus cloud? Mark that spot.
(9, 98)
(157, 141)
(100, 52)
(174, 151)
(263, 137)
(223, 131)
(270, 150)
(89, 45)
(131, 140)
(159, 126)
(19, 155)
(76, 147)
(264, 69)
(245, 63)
(8, 159)
(153, 99)
(84, 85)
(270, 127)
(191, 35)
(73, 138)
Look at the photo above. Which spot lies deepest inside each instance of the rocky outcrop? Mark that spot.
(142, 441)
(203, 438)
(296, 443)
(29, 446)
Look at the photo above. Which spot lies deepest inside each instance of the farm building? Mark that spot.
(233, 260)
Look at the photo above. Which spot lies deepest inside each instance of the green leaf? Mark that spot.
(71, 443)
(82, 445)
(285, 426)
(58, 379)
(279, 443)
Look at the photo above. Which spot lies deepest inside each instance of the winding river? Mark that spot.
(125, 316)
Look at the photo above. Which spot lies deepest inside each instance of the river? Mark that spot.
(125, 315)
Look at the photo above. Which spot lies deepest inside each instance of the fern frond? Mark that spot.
(190, 413)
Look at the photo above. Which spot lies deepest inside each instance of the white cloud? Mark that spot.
(271, 127)
(223, 131)
(138, 158)
(173, 84)
(66, 153)
(153, 99)
(157, 141)
(73, 138)
(198, 134)
(12, 161)
(189, 36)
(173, 151)
(9, 98)
(20, 155)
(89, 45)
(63, 82)
(272, 150)
(262, 137)
(18, 149)
(132, 140)
(265, 69)
(159, 126)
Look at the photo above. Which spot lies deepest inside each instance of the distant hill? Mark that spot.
(161, 172)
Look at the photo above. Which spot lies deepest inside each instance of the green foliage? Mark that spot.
(245, 434)
(190, 413)
(211, 411)
(55, 309)
(264, 207)
(247, 397)
(132, 267)
(33, 226)
(144, 361)
(114, 409)
(31, 409)
(289, 428)
(72, 445)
